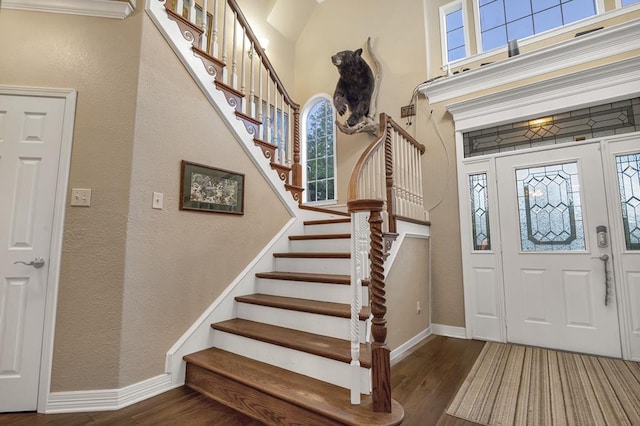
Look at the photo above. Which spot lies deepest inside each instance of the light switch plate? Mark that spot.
(157, 200)
(81, 197)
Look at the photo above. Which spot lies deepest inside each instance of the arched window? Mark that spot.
(319, 147)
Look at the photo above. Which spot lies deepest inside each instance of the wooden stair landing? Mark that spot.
(276, 396)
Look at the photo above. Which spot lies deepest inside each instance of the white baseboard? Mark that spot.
(399, 353)
(108, 399)
(449, 331)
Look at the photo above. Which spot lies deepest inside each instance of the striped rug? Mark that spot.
(518, 385)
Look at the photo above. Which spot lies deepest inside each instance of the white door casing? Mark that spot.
(35, 146)
(550, 203)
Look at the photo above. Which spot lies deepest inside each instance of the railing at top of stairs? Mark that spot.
(386, 184)
(232, 54)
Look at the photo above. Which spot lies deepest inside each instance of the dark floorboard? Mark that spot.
(424, 383)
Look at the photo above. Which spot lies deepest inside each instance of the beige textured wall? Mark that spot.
(407, 283)
(178, 262)
(54, 50)
(133, 279)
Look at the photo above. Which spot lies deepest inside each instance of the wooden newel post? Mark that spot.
(296, 168)
(380, 354)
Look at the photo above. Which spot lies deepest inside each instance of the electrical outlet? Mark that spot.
(418, 309)
(407, 111)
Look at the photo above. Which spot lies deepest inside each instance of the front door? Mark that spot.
(31, 132)
(556, 250)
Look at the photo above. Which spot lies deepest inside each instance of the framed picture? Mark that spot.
(208, 189)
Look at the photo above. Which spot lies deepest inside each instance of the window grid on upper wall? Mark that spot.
(504, 20)
(454, 33)
(320, 152)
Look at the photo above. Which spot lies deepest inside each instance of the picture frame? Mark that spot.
(209, 189)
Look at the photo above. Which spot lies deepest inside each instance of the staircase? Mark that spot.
(285, 358)
(287, 351)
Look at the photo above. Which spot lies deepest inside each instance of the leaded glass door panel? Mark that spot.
(550, 203)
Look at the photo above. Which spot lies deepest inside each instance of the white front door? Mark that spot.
(31, 133)
(557, 294)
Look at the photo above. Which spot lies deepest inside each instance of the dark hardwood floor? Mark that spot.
(423, 382)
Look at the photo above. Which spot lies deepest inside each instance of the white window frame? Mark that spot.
(539, 36)
(308, 106)
(619, 4)
(444, 11)
(479, 55)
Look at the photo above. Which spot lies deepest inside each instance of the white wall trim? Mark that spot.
(449, 331)
(601, 44)
(606, 83)
(108, 399)
(404, 350)
(99, 8)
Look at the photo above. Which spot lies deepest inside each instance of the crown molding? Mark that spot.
(577, 51)
(99, 8)
(606, 83)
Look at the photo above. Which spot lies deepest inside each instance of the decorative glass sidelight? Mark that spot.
(550, 208)
(479, 211)
(628, 167)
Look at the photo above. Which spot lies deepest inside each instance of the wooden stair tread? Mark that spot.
(321, 210)
(312, 255)
(326, 221)
(306, 277)
(314, 395)
(318, 237)
(341, 310)
(315, 344)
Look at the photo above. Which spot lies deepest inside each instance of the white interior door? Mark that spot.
(557, 294)
(31, 130)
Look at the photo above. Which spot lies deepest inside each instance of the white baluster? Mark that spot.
(225, 70)
(214, 30)
(234, 53)
(179, 6)
(243, 77)
(204, 25)
(252, 92)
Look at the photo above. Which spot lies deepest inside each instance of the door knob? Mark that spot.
(37, 263)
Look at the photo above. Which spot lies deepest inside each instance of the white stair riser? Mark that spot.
(325, 369)
(328, 228)
(337, 293)
(325, 325)
(313, 265)
(335, 245)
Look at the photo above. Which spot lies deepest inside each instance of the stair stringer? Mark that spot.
(199, 336)
(182, 47)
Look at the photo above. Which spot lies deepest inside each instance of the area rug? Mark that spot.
(519, 385)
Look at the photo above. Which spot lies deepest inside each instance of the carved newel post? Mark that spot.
(380, 353)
